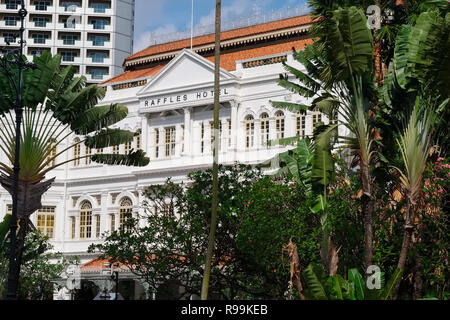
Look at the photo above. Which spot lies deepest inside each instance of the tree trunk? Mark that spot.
(379, 75)
(368, 209)
(295, 268)
(418, 282)
(409, 228)
(28, 202)
(215, 186)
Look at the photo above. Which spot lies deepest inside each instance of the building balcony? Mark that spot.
(9, 25)
(90, 60)
(69, 10)
(75, 43)
(3, 7)
(40, 42)
(69, 26)
(71, 60)
(13, 43)
(93, 12)
(99, 44)
(96, 77)
(39, 25)
(95, 28)
(40, 9)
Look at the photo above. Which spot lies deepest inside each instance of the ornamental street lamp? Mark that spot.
(14, 57)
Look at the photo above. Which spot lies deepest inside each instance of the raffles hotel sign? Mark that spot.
(183, 98)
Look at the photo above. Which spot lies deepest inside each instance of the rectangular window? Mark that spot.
(70, 6)
(138, 141)
(112, 220)
(97, 226)
(46, 221)
(127, 147)
(12, 4)
(41, 5)
(85, 225)
(99, 24)
(11, 20)
(39, 37)
(300, 125)
(73, 224)
(69, 39)
(202, 138)
(10, 37)
(98, 40)
(98, 57)
(156, 143)
(100, 7)
(40, 21)
(316, 118)
(170, 141)
(88, 153)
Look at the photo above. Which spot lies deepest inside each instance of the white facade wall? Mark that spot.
(119, 31)
(248, 92)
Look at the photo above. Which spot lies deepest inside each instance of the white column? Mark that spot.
(104, 221)
(290, 125)
(187, 132)
(309, 130)
(162, 136)
(178, 135)
(151, 147)
(234, 125)
(272, 129)
(145, 133)
(224, 137)
(208, 147)
(258, 134)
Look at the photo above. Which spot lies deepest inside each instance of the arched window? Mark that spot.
(125, 210)
(264, 125)
(279, 123)
(85, 220)
(249, 132)
(76, 152)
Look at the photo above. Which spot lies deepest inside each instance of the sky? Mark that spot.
(162, 19)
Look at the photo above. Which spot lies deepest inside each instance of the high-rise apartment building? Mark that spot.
(95, 36)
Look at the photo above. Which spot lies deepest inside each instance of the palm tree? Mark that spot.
(56, 106)
(340, 82)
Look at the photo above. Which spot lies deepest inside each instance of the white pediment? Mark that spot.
(186, 70)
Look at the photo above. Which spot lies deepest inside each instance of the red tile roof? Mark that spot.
(136, 74)
(225, 35)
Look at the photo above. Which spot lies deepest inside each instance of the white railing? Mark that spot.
(230, 25)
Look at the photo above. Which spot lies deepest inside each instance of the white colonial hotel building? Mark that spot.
(168, 89)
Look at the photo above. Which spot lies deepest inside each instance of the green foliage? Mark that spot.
(321, 287)
(69, 108)
(39, 268)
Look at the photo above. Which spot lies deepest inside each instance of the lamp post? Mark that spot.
(15, 57)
